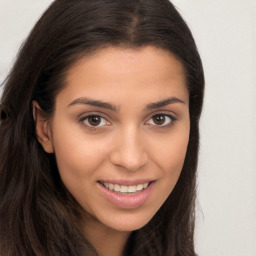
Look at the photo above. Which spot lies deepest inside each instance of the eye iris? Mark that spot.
(94, 120)
(159, 119)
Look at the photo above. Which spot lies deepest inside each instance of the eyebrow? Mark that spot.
(96, 103)
(102, 104)
(164, 103)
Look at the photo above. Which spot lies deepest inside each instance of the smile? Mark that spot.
(125, 190)
(126, 194)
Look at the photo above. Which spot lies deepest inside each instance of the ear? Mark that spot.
(43, 128)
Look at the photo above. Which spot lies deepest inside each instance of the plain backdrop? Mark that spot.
(225, 32)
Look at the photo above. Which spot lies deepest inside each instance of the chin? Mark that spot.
(129, 222)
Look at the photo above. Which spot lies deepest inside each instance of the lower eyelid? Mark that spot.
(171, 117)
(82, 119)
(102, 119)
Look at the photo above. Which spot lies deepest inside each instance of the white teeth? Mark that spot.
(132, 188)
(117, 187)
(139, 187)
(125, 189)
(145, 185)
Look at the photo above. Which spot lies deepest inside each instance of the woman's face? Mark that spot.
(120, 132)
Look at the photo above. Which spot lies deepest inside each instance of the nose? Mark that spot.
(128, 151)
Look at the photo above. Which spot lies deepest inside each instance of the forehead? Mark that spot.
(113, 70)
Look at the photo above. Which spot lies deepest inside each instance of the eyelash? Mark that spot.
(85, 118)
(171, 121)
(87, 125)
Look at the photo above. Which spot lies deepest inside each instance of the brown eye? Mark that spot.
(161, 120)
(95, 121)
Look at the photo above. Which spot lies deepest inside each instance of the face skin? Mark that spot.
(129, 139)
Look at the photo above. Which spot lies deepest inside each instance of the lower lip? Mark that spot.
(127, 201)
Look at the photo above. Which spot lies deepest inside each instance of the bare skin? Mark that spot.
(107, 241)
(122, 119)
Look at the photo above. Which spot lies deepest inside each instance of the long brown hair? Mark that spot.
(38, 216)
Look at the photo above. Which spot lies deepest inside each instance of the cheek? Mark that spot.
(77, 155)
(78, 162)
(170, 153)
(169, 156)
(175, 156)
(172, 160)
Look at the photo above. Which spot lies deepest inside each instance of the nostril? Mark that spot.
(129, 153)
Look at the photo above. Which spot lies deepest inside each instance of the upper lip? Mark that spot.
(126, 182)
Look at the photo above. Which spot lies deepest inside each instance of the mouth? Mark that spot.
(127, 194)
(126, 190)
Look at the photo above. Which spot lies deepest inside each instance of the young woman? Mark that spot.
(99, 133)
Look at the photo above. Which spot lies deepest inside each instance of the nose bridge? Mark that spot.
(129, 151)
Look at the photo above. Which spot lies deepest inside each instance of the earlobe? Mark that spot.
(42, 128)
